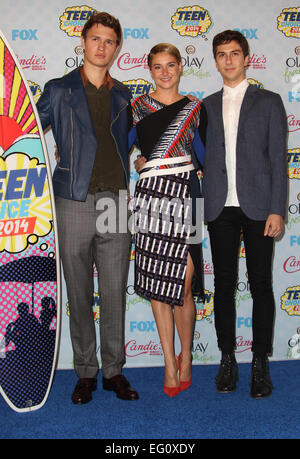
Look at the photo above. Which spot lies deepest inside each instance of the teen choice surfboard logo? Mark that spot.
(191, 21)
(29, 258)
(25, 207)
(288, 22)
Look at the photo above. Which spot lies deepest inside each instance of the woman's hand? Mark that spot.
(139, 162)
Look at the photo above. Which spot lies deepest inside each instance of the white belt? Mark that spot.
(168, 171)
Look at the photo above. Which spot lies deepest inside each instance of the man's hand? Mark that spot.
(191, 97)
(274, 225)
(139, 162)
(56, 154)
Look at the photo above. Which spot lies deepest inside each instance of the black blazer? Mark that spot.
(261, 165)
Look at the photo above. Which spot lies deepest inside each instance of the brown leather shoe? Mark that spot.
(121, 387)
(83, 390)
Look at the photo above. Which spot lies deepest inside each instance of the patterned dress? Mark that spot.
(162, 201)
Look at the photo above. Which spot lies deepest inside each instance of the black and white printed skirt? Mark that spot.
(162, 225)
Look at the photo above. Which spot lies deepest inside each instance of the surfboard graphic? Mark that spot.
(29, 258)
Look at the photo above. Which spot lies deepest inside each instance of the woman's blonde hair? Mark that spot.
(164, 48)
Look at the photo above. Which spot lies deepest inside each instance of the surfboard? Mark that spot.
(29, 257)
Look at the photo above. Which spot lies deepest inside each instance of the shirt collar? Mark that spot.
(107, 81)
(239, 89)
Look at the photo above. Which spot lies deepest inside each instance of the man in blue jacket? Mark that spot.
(90, 115)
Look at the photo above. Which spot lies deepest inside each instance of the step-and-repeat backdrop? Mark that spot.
(45, 35)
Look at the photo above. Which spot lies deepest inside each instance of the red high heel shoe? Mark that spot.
(172, 391)
(184, 385)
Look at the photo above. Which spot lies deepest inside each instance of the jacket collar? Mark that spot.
(108, 79)
(249, 98)
(250, 94)
(75, 98)
(247, 103)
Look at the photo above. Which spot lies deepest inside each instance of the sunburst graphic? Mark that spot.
(16, 111)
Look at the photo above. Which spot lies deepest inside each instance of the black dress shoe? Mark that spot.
(228, 374)
(121, 387)
(83, 390)
(261, 384)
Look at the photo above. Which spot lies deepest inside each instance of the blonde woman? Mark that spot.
(168, 127)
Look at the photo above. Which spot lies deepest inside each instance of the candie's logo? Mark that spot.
(128, 62)
(74, 18)
(293, 157)
(191, 21)
(288, 22)
(291, 265)
(134, 349)
(290, 301)
(293, 124)
(33, 62)
(258, 61)
(139, 87)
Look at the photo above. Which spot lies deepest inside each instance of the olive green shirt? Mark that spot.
(108, 173)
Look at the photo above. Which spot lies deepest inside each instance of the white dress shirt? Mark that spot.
(232, 101)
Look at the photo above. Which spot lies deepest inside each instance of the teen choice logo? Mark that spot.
(293, 157)
(190, 21)
(242, 252)
(95, 307)
(288, 22)
(35, 89)
(290, 301)
(74, 18)
(139, 87)
(204, 310)
(255, 83)
(132, 253)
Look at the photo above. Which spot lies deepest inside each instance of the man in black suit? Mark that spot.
(245, 190)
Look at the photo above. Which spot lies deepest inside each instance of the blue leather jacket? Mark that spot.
(64, 107)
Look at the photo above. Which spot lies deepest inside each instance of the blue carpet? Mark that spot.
(198, 413)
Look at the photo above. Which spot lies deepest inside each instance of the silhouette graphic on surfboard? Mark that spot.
(29, 258)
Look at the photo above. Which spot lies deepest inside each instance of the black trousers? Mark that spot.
(225, 235)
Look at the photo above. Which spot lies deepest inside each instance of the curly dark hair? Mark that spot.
(228, 36)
